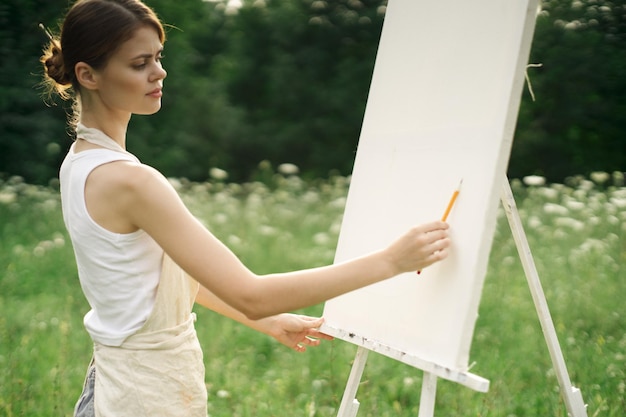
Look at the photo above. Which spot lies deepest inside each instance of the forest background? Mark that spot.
(287, 81)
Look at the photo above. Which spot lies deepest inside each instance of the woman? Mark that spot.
(137, 245)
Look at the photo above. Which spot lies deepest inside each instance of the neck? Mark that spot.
(116, 131)
(112, 124)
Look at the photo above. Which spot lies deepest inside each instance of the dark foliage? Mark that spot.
(287, 81)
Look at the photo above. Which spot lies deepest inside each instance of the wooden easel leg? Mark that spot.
(571, 395)
(349, 404)
(427, 399)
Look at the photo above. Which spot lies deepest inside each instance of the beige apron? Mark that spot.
(157, 371)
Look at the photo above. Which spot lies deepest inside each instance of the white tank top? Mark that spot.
(118, 273)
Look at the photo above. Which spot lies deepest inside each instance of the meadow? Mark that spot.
(576, 230)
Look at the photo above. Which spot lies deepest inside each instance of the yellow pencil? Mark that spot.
(455, 194)
(451, 203)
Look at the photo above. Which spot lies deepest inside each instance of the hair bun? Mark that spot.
(54, 66)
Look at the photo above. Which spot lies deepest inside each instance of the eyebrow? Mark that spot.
(144, 56)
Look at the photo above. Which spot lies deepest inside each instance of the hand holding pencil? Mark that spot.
(455, 194)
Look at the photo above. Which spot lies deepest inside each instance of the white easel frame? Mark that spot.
(572, 396)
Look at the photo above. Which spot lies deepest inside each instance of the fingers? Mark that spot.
(319, 335)
(310, 341)
(301, 345)
(310, 335)
(437, 249)
(432, 226)
(435, 241)
(311, 322)
(421, 246)
(311, 327)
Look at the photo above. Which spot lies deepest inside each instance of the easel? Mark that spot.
(571, 395)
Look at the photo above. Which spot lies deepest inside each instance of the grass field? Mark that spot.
(577, 232)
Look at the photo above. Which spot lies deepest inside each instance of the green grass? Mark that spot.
(577, 233)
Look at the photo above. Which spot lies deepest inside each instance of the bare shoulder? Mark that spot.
(123, 177)
(118, 192)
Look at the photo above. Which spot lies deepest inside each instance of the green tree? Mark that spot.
(300, 72)
(575, 126)
(287, 81)
(32, 136)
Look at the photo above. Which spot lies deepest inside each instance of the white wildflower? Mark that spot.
(408, 381)
(552, 208)
(599, 177)
(581, 195)
(58, 241)
(233, 240)
(220, 218)
(549, 193)
(570, 223)
(508, 260)
(288, 169)
(218, 174)
(620, 203)
(534, 180)
(39, 251)
(265, 230)
(610, 208)
(223, 393)
(321, 238)
(338, 203)
(18, 249)
(593, 245)
(318, 384)
(316, 20)
(50, 204)
(593, 220)
(232, 7)
(318, 5)
(586, 185)
(200, 188)
(7, 197)
(574, 205)
(255, 201)
(335, 228)
(612, 239)
(310, 197)
(534, 222)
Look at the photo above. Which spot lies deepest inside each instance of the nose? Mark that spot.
(159, 73)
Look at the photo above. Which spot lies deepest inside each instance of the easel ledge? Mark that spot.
(465, 378)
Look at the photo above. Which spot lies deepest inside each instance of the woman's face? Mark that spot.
(133, 77)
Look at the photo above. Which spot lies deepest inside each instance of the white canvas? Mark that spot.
(442, 107)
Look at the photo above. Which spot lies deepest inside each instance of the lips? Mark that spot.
(156, 93)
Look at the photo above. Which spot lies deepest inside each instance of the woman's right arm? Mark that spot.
(150, 203)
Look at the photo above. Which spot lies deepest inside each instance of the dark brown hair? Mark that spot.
(91, 32)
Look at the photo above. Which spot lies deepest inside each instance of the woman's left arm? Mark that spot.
(292, 330)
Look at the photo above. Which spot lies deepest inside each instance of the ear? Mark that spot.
(86, 76)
